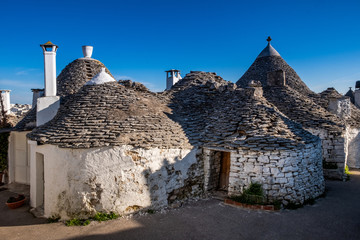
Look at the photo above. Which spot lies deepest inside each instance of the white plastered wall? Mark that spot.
(80, 182)
(19, 164)
(353, 147)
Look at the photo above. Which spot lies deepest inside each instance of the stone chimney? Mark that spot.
(340, 107)
(36, 94)
(172, 77)
(276, 78)
(357, 94)
(5, 99)
(48, 105)
(254, 90)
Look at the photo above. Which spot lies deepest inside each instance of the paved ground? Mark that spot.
(337, 216)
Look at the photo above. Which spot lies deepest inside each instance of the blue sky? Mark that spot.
(139, 40)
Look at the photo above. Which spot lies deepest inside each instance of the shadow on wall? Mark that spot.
(354, 152)
(175, 182)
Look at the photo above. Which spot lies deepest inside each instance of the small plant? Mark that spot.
(347, 172)
(252, 195)
(277, 205)
(254, 189)
(77, 222)
(104, 216)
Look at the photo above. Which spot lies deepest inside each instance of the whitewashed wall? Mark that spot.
(80, 182)
(353, 149)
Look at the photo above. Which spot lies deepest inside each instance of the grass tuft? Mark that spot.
(77, 222)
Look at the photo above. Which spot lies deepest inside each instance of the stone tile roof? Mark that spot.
(76, 74)
(69, 81)
(262, 65)
(303, 109)
(111, 114)
(201, 78)
(214, 114)
(196, 112)
(323, 100)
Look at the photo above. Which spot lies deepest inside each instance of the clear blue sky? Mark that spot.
(141, 39)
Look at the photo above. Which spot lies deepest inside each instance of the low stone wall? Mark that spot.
(286, 175)
(80, 182)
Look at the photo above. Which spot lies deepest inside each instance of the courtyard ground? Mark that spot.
(337, 216)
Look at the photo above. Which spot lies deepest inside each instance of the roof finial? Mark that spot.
(269, 39)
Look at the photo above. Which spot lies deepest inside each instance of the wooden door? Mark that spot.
(224, 171)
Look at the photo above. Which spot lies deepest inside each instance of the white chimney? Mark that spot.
(87, 51)
(172, 77)
(5, 99)
(50, 68)
(47, 106)
(36, 94)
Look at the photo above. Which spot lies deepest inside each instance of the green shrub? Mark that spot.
(252, 195)
(254, 189)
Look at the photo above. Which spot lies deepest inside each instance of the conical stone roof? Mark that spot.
(110, 114)
(269, 60)
(69, 81)
(76, 74)
(350, 94)
(214, 114)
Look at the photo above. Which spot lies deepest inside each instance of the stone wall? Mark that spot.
(334, 152)
(80, 182)
(212, 166)
(286, 175)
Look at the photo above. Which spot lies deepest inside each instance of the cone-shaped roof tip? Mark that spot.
(268, 50)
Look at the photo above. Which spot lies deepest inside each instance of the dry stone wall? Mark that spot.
(287, 176)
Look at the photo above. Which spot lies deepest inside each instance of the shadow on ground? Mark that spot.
(337, 216)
